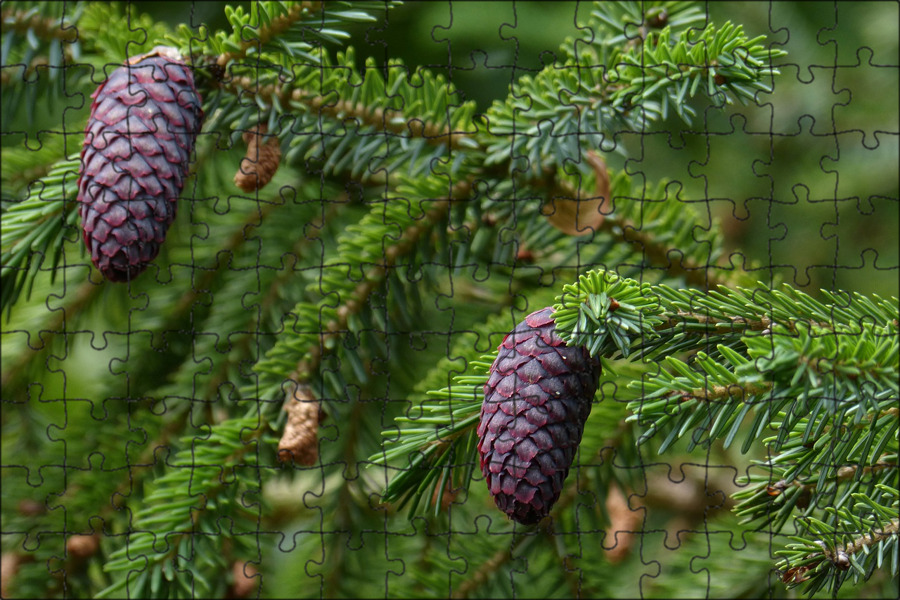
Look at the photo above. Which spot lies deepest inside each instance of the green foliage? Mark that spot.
(604, 313)
(271, 29)
(799, 367)
(173, 545)
(35, 225)
(607, 83)
(122, 32)
(402, 237)
(39, 43)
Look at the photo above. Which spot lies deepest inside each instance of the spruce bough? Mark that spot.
(774, 365)
(401, 211)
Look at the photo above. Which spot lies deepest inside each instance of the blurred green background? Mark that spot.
(807, 181)
(805, 185)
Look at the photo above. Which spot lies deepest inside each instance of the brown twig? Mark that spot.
(334, 329)
(276, 27)
(346, 109)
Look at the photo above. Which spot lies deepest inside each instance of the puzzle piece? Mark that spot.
(376, 197)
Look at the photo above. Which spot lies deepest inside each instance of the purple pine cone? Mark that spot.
(138, 140)
(536, 402)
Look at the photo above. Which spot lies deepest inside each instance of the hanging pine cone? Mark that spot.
(139, 137)
(536, 402)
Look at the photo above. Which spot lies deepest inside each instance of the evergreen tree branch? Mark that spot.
(602, 87)
(36, 21)
(39, 41)
(860, 541)
(17, 374)
(790, 374)
(379, 118)
(319, 327)
(232, 319)
(175, 534)
(865, 541)
(811, 382)
(638, 223)
(267, 25)
(36, 226)
(112, 32)
(280, 28)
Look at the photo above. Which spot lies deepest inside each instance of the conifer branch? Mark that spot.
(443, 198)
(840, 554)
(35, 226)
(271, 30)
(711, 397)
(336, 327)
(36, 22)
(194, 491)
(373, 116)
(658, 252)
(15, 375)
(831, 552)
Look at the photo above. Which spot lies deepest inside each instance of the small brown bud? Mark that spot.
(30, 508)
(82, 546)
(261, 160)
(300, 441)
(658, 20)
(776, 488)
(795, 575)
(525, 255)
(841, 560)
(244, 579)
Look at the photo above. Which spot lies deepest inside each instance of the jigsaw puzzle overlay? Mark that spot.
(495, 299)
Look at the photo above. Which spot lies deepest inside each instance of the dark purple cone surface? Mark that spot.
(138, 140)
(536, 402)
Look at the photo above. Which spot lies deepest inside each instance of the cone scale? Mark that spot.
(536, 401)
(139, 137)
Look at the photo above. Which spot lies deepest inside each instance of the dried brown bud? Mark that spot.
(30, 508)
(82, 546)
(841, 560)
(623, 523)
(525, 255)
(9, 566)
(658, 20)
(300, 441)
(795, 575)
(261, 160)
(244, 579)
(776, 488)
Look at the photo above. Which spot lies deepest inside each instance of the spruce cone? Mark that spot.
(536, 402)
(139, 137)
